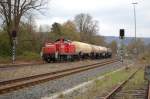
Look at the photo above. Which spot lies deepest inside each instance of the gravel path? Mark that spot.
(51, 87)
(18, 72)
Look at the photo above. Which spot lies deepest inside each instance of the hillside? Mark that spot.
(126, 41)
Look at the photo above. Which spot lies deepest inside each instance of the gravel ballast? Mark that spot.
(24, 71)
(49, 88)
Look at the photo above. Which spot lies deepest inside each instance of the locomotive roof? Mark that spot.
(63, 39)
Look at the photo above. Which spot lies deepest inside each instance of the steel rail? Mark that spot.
(50, 73)
(15, 84)
(19, 65)
(148, 92)
(110, 95)
(27, 64)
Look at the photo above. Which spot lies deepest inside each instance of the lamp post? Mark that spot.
(134, 4)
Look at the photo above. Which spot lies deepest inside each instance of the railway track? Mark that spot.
(148, 93)
(19, 65)
(30, 64)
(15, 84)
(136, 93)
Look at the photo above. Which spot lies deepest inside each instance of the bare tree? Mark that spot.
(31, 24)
(139, 45)
(11, 11)
(86, 25)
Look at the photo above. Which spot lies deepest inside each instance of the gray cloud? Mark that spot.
(111, 14)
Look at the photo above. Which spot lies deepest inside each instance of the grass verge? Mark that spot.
(25, 57)
(136, 83)
(29, 56)
(4, 60)
(101, 87)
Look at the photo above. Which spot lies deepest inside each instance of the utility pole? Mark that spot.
(135, 29)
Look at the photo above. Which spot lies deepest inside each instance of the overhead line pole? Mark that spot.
(135, 28)
(134, 17)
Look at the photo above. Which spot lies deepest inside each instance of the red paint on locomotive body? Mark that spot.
(61, 46)
(71, 48)
(49, 48)
(65, 47)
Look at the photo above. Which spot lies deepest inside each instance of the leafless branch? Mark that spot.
(13, 10)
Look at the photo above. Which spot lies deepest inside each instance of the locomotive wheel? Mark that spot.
(72, 58)
(48, 59)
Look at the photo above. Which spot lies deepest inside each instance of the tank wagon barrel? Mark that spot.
(83, 50)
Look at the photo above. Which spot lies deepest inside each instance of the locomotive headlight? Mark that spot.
(41, 53)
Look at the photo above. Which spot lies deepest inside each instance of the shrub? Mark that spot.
(145, 57)
(29, 56)
(5, 59)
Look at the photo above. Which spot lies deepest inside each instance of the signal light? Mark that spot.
(121, 33)
(14, 34)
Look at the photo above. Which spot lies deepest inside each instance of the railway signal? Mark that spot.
(14, 35)
(121, 34)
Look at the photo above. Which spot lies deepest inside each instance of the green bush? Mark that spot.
(5, 48)
(5, 59)
(145, 57)
(29, 56)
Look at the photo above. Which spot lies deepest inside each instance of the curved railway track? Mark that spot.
(15, 84)
(138, 93)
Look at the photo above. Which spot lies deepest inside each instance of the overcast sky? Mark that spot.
(111, 14)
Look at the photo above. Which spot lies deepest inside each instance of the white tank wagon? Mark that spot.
(103, 51)
(109, 52)
(95, 49)
(83, 49)
(96, 52)
(89, 50)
